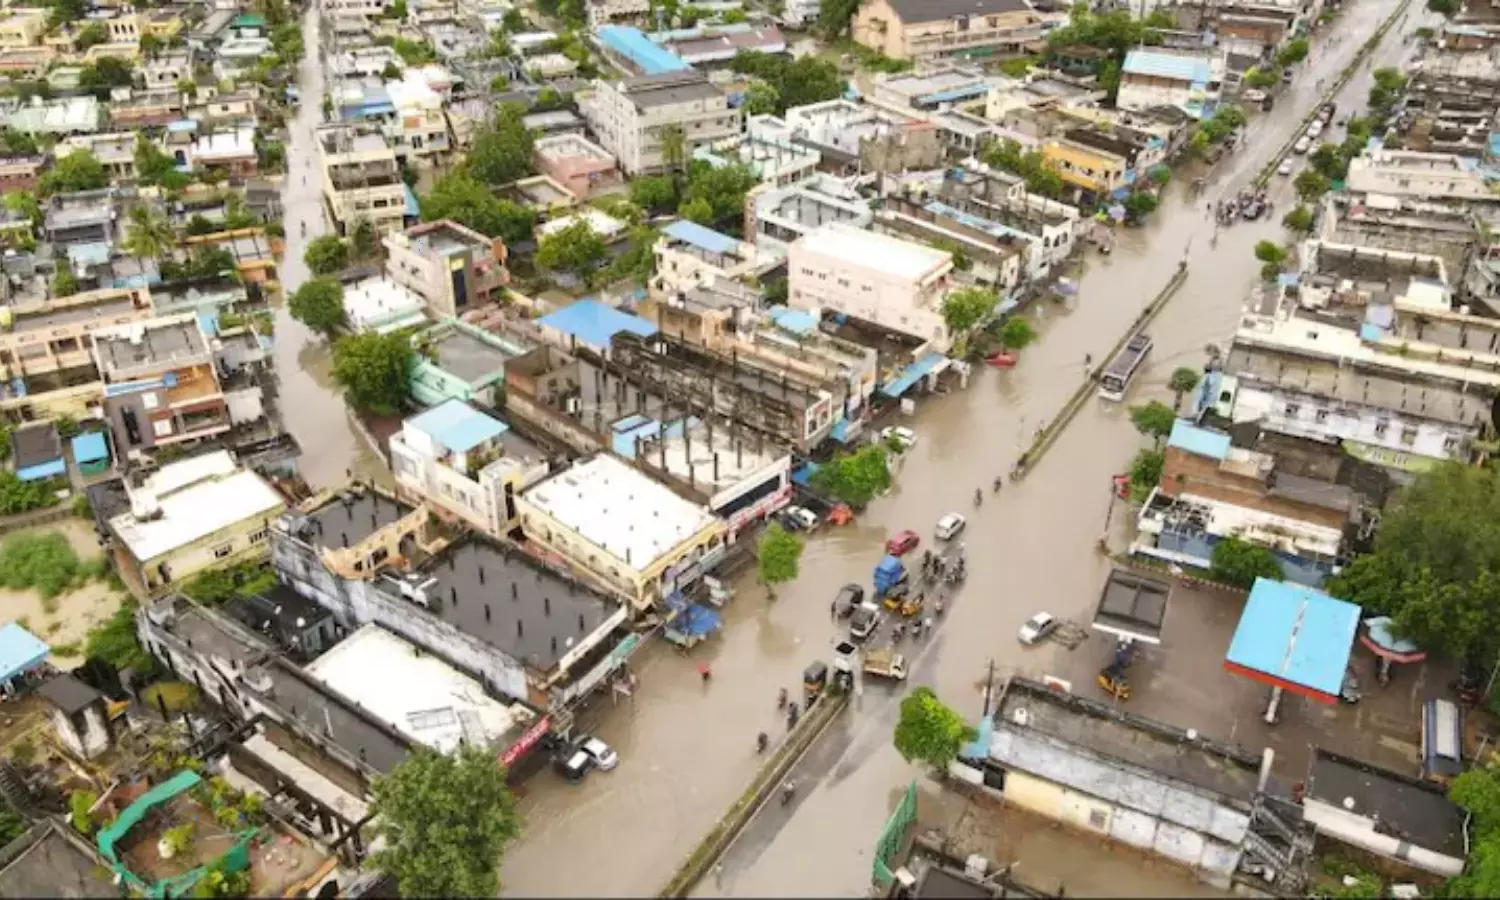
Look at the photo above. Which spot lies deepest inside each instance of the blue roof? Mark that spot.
(90, 447)
(594, 323)
(797, 321)
(89, 253)
(803, 474)
(20, 650)
(912, 374)
(953, 94)
(843, 431)
(1167, 65)
(42, 471)
(632, 44)
(1295, 634)
(700, 237)
(1199, 441)
(458, 426)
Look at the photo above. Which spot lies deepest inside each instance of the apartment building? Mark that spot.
(892, 283)
(687, 255)
(450, 266)
(1091, 172)
(1426, 176)
(774, 158)
(604, 12)
(361, 178)
(1191, 81)
(775, 217)
(996, 253)
(631, 116)
(363, 9)
(930, 29)
(418, 131)
(22, 28)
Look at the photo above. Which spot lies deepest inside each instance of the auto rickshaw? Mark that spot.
(1114, 682)
(896, 596)
(814, 681)
(912, 603)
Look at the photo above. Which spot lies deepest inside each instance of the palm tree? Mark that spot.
(1182, 381)
(673, 147)
(148, 235)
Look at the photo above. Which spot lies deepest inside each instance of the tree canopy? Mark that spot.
(929, 731)
(1240, 563)
(966, 308)
(1435, 567)
(1154, 419)
(657, 193)
(778, 556)
(501, 152)
(1116, 31)
(371, 368)
(326, 254)
(793, 82)
(1299, 220)
(319, 304)
(720, 190)
(1028, 164)
(464, 199)
(1016, 333)
(78, 171)
(1183, 381)
(1145, 473)
(856, 478)
(1478, 792)
(576, 249)
(446, 820)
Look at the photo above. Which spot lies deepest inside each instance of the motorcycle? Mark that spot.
(761, 742)
(978, 497)
(787, 791)
(781, 699)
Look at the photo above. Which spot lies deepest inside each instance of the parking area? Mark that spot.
(1182, 682)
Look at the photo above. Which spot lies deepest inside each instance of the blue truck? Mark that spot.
(890, 576)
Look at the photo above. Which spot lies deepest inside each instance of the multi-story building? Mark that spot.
(632, 117)
(465, 464)
(361, 178)
(603, 12)
(927, 29)
(22, 28)
(996, 254)
(1092, 172)
(418, 131)
(576, 163)
(1001, 199)
(624, 530)
(363, 9)
(687, 255)
(867, 138)
(775, 217)
(1421, 176)
(892, 283)
(115, 152)
(450, 266)
(773, 158)
(1189, 81)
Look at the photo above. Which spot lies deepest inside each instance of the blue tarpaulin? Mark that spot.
(20, 651)
(844, 431)
(980, 747)
(803, 474)
(691, 619)
(42, 471)
(90, 447)
(912, 374)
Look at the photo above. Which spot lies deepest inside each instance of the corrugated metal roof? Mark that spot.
(1167, 65)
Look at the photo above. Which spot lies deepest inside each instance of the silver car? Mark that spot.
(1036, 628)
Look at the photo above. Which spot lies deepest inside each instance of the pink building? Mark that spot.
(578, 164)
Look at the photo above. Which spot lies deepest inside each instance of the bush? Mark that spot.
(45, 562)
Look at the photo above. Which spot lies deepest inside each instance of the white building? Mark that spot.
(631, 116)
(603, 12)
(771, 155)
(687, 255)
(893, 283)
(1191, 81)
(383, 305)
(778, 216)
(361, 178)
(419, 131)
(1408, 173)
(798, 13)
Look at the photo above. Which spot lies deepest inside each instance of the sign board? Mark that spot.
(526, 741)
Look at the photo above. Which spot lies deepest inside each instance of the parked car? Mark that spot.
(1286, 167)
(849, 597)
(949, 526)
(899, 434)
(573, 765)
(1303, 144)
(1253, 96)
(603, 756)
(1315, 129)
(902, 542)
(866, 619)
(798, 518)
(1036, 628)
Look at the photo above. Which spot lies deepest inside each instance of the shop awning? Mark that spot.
(928, 365)
(845, 431)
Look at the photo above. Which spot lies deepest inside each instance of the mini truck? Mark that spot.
(885, 663)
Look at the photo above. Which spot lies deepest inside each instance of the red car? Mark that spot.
(902, 542)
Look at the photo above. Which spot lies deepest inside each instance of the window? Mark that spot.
(223, 550)
(1409, 434)
(257, 536)
(1292, 409)
(1381, 428)
(1450, 444)
(1322, 416)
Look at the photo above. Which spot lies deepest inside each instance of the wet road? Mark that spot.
(688, 750)
(312, 409)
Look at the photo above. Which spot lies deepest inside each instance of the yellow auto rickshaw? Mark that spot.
(912, 603)
(1114, 683)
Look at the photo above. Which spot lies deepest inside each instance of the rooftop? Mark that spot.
(471, 358)
(668, 89)
(502, 596)
(621, 510)
(1132, 606)
(710, 459)
(425, 699)
(382, 305)
(594, 323)
(703, 238)
(49, 860)
(322, 711)
(279, 615)
(1199, 441)
(639, 51)
(158, 343)
(457, 426)
(1402, 807)
(36, 444)
(934, 10)
(865, 249)
(353, 515)
(1171, 66)
(1295, 637)
(176, 518)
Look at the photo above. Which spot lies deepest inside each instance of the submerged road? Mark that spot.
(687, 749)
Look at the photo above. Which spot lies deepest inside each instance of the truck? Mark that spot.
(886, 663)
(890, 576)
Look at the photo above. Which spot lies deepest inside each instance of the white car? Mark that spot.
(1286, 167)
(949, 526)
(604, 757)
(1253, 96)
(1315, 129)
(800, 517)
(1303, 144)
(900, 434)
(1036, 628)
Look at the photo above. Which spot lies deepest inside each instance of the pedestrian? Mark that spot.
(833, 610)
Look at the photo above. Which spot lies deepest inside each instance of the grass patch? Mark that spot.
(219, 586)
(73, 649)
(45, 562)
(174, 694)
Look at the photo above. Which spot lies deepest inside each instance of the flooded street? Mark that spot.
(311, 407)
(687, 750)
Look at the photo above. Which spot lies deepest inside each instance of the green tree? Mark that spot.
(501, 152)
(1270, 252)
(80, 170)
(1154, 420)
(106, 73)
(147, 235)
(1299, 221)
(319, 304)
(18, 143)
(1260, 79)
(391, 72)
(673, 147)
(12, 825)
(91, 35)
(1293, 53)
(778, 555)
(1016, 333)
(1328, 160)
(24, 204)
(1240, 563)
(1140, 204)
(372, 369)
(722, 187)
(963, 309)
(1389, 85)
(446, 820)
(761, 99)
(1447, 8)
(834, 17)
(656, 193)
(114, 639)
(697, 210)
(64, 282)
(929, 731)
(856, 478)
(414, 53)
(1435, 567)
(152, 164)
(1477, 791)
(1145, 473)
(151, 45)
(464, 199)
(577, 249)
(1183, 381)
(80, 802)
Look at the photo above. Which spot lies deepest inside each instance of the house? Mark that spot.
(996, 254)
(84, 217)
(199, 513)
(419, 130)
(777, 217)
(954, 87)
(452, 267)
(382, 304)
(1421, 176)
(38, 453)
(893, 283)
(869, 138)
(687, 255)
(465, 464)
(22, 28)
(928, 29)
(115, 152)
(1000, 199)
(168, 70)
(602, 12)
(624, 530)
(21, 173)
(590, 325)
(237, 57)
(630, 117)
(232, 152)
(578, 164)
(460, 361)
(707, 44)
(361, 179)
(630, 48)
(73, 115)
(1091, 172)
(1191, 81)
(81, 716)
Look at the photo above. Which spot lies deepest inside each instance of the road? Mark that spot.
(688, 749)
(311, 406)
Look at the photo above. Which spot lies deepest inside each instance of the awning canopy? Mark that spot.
(20, 651)
(1383, 642)
(845, 430)
(929, 364)
(1296, 638)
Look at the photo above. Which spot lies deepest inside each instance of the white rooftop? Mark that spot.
(605, 225)
(425, 699)
(382, 305)
(194, 503)
(621, 510)
(412, 93)
(222, 145)
(866, 249)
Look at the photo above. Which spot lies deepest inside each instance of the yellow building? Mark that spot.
(22, 28)
(930, 29)
(1087, 169)
(623, 530)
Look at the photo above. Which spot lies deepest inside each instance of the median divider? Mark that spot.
(724, 833)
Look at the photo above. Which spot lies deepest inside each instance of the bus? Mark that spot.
(1122, 368)
(1442, 741)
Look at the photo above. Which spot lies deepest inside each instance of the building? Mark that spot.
(1189, 81)
(196, 514)
(1421, 176)
(461, 361)
(887, 281)
(361, 179)
(1091, 172)
(1001, 200)
(60, 118)
(51, 859)
(630, 49)
(623, 529)
(22, 28)
(465, 464)
(996, 255)
(418, 132)
(602, 12)
(115, 152)
(383, 304)
(943, 88)
(451, 266)
(232, 151)
(688, 255)
(707, 44)
(856, 138)
(777, 217)
(578, 164)
(81, 716)
(772, 157)
(927, 29)
(631, 117)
